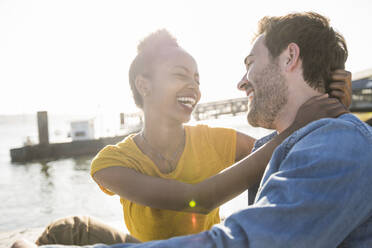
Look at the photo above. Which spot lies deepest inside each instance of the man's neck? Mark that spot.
(296, 97)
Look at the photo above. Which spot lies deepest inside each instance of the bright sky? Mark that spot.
(72, 56)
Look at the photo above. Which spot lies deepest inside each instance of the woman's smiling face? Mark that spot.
(174, 85)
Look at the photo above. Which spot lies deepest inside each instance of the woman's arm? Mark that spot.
(213, 192)
(244, 145)
(207, 195)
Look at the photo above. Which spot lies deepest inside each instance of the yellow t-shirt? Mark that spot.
(207, 152)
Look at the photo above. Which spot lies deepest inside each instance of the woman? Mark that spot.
(167, 176)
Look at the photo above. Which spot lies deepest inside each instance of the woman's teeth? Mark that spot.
(187, 101)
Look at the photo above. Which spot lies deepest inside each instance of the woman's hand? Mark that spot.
(340, 87)
(316, 108)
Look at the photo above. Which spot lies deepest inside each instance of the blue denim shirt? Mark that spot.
(316, 192)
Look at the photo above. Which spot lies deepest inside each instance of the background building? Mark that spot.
(362, 95)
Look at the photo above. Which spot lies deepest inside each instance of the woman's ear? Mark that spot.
(143, 85)
(292, 57)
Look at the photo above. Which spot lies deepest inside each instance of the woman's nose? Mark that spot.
(193, 84)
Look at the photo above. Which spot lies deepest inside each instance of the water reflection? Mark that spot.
(82, 163)
(45, 169)
(46, 188)
(34, 194)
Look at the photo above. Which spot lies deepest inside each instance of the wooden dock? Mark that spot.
(52, 151)
(60, 150)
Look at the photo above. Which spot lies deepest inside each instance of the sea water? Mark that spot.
(34, 194)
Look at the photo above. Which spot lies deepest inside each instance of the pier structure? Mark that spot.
(51, 151)
(216, 109)
(42, 123)
(54, 151)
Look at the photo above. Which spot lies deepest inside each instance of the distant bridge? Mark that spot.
(215, 109)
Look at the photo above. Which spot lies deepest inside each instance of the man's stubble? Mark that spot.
(270, 96)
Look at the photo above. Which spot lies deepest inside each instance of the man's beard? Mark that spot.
(270, 95)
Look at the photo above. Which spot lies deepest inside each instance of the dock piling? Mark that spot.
(42, 123)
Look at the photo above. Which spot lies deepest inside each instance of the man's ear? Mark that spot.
(143, 85)
(292, 57)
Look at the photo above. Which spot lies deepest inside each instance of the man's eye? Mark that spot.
(180, 75)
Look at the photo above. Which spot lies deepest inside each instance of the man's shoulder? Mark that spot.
(345, 124)
(328, 144)
(344, 132)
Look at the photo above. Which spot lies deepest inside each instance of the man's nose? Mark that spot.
(243, 82)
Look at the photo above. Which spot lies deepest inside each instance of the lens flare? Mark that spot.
(192, 203)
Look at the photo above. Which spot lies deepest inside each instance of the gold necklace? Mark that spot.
(169, 162)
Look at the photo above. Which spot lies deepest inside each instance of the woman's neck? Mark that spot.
(164, 136)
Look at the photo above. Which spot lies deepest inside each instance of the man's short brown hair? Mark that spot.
(322, 49)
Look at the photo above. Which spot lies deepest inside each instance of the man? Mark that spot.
(316, 189)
